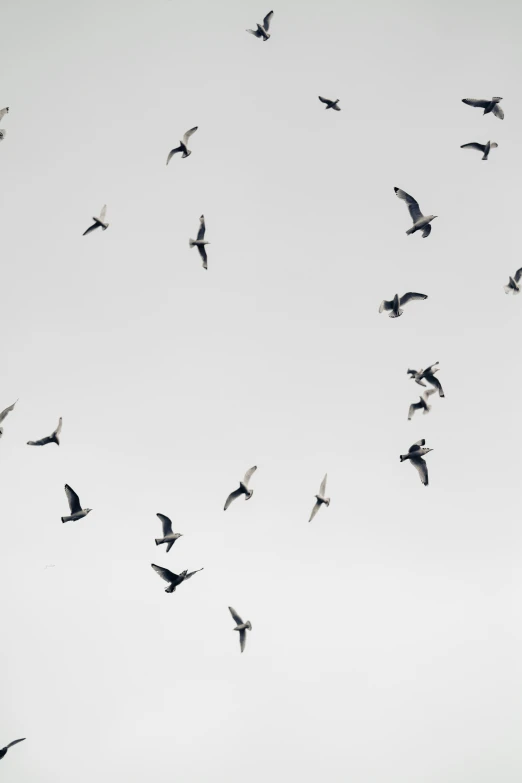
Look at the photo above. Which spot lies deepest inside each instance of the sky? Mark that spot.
(386, 640)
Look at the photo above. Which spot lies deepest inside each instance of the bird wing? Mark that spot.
(6, 411)
(233, 496)
(3, 112)
(59, 427)
(428, 394)
(498, 112)
(73, 500)
(235, 615)
(41, 442)
(413, 205)
(248, 475)
(242, 639)
(257, 33)
(15, 742)
(412, 372)
(191, 573)
(173, 152)
(167, 525)
(103, 213)
(385, 305)
(188, 134)
(165, 574)
(430, 368)
(91, 228)
(267, 20)
(473, 145)
(422, 469)
(203, 253)
(426, 231)
(434, 382)
(478, 102)
(410, 296)
(201, 232)
(518, 275)
(324, 100)
(315, 510)
(416, 445)
(322, 488)
(413, 407)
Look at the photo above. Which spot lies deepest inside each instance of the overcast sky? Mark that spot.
(387, 635)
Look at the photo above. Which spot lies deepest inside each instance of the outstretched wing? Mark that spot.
(91, 228)
(166, 524)
(413, 407)
(422, 469)
(233, 496)
(427, 394)
(385, 305)
(235, 615)
(201, 232)
(3, 112)
(518, 275)
(41, 442)
(324, 100)
(473, 145)
(242, 639)
(73, 500)
(173, 152)
(203, 253)
(165, 574)
(188, 134)
(6, 411)
(315, 510)
(416, 445)
(426, 231)
(103, 213)
(267, 20)
(322, 488)
(413, 205)
(191, 573)
(478, 102)
(15, 742)
(498, 112)
(410, 296)
(59, 427)
(257, 33)
(435, 382)
(248, 475)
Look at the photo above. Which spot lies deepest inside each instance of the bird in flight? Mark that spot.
(487, 105)
(422, 404)
(200, 242)
(169, 538)
(53, 438)
(243, 488)
(398, 301)
(420, 221)
(415, 455)
(320, 499)
(183, 145)
(98, 222)
(429, 375)
(3, 112)
(484, 148)
(77, 512)
(4, 414)
(241, 627)
(331, 104)
(3, 751)
(262, 30)
(173, 579)
(512, 286)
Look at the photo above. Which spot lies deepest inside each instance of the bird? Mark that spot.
(484, 148)
(243, 488)
(4, 414)
(395, 304)
(487, 105)
(320, 498)
(429, 375)
(420, 221)
(183, 145)
(3, 112)
(3, 751)
(415, 455)
(169, 537)
(512, 286)
(174, 580)
(98, 222)
(77, 512)
(330, 104)
(241, 627)
(2, 134)
(423, 403)
(53, 438)
(262, 30)
(200, 242)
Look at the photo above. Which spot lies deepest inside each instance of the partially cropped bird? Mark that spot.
(429, 375)
(422, 404)
(98, 222)
(261, 31)
(320, 498)
(420, 221)
(330, 104)
(415, 455)
(200, 242)
(53, 438)
(241, 627)
(4, 413)
(3, 112)
(488, 105)
(169, 537)
(396, 303)
(173, 579)
(243, 488)
(484, 148)
(3, 751)
(183, 145)
(513, 284)
(77, 512)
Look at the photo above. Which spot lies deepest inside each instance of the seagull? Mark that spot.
(98, 222)
(330, 104)
(169, 537)
(77, 512)
(183, 145)
(241, 627)
(320, 498)
(53, 438)
(200, 242)
(512, 286)
(419, 220)
(415, 455)
(243, 488)
(3, 751)
(488, 106)
(173, 579)
(484, 148)
(429, 375)
(262, 30)
(395, 305)
(415, 406)
(3, 112)
(4, 414)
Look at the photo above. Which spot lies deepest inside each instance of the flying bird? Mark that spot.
(53, 438)
(4, 414)
(487, 105)
(415, 455)
(243, 488)
(3, 751)
(513, 284)
(241, 627)
(173, 579)
(330, 104)
(3, 112)
(429, 375)
(183, 145)
(2, 134)
(420, 221)
(169, 537)
(423, 403)
(262, 30)
(320, 498)
(484, 148)
(398, 301)
(98, 222)
(77, 512)
(200, 242)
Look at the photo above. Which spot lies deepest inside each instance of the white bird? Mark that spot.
(423, 403)
(420, 221)
(330, 104)
(4, 414)
(262, 30)
(487, 105)
(98, 222)
(241, 627)
(200, 242)
(415, 455)
(53, 438)
(512, 286)
(320, 498)
(484, 148)
(77, 512)
(243, 488)
(173, 579)
(429, 375)
(169, 537)
(183, 145)
(3, 751)
(398, 301)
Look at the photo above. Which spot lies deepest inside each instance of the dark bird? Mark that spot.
(169, 537)
(262, 30)
(422, 404)
(4, 414)
(487, 105)
(398, 301)
(200, 242)
(484, 148)
(173, 579)
(53, 438)
(331, 104)
(513, 284)
(183, 145)
(243, 488)
(241, 627)
(415, 455)
(98, 222)
(320, 498)
(420, 221)
(77, 512)
(428, 375)
(3, 751)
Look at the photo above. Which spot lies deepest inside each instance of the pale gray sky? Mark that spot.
(386, 643)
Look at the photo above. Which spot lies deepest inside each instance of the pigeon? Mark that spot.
(98, 222)
(262, 30)
(169, 538)
(423, 403)
(243, 488)
(488, 106)
(420, 221)
(512, 286)
(53, 438)
(173, 579)
(4, 414)
(330, 104)
(429, 375)
(3, 751)
(241, 627)
(77, 512)
(395, 305)
(200, 242)
(183, 145)
(320, 499)
(484, 148)
(415, 455)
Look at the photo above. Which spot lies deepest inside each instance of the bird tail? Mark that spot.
(159, 541)
(65, 519)
(396, 315)
(191, 243)
(507, 289)
(411, 230)
(403, 457)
